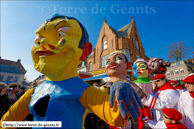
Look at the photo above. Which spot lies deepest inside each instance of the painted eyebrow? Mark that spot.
(145, 64)
(114, 57)
(59, 23)
(117, 55)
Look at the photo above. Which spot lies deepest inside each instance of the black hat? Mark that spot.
(23, 88)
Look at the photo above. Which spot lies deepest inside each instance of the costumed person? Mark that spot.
(157, 66)
(5, 103)
(186, 103)
(116, 68)
(167, 97)
(61, 44)
(171, 120)
(140, 72)
(179, 88)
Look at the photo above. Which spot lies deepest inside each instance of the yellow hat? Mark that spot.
(118, 51)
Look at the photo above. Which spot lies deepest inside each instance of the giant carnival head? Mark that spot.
(158, 66)
(140, 69)
(117, 64)
(61, 44)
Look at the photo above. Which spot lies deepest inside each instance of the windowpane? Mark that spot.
(181, 70)
(1, 77)
(90, 66)
(9, 78)
(171, 72)
(82, 63)
(104, 45)
(176, 72)
(16, 79)
(103, 60)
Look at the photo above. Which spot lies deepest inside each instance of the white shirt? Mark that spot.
(167, 99)
(180, 91)
(186, 108)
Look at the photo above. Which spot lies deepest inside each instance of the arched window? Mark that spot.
(104, 43)
(103, 61)
(90, 66)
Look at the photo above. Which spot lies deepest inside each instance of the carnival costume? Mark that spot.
(186, 104)
(167, 97)
(140, 72)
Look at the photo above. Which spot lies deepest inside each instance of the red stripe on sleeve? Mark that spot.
(152, 102)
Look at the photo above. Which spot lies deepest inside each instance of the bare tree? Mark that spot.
(178, 50)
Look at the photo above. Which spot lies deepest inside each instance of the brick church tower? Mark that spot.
(126, 39)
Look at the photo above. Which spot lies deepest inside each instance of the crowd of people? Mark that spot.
(9, 94)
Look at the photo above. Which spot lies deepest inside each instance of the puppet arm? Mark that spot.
(98, 102)
(19, 110)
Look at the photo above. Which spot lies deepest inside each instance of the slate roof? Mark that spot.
(124, 31)
(7, 62)
(13, 63)
(114, 31)
(9, 69)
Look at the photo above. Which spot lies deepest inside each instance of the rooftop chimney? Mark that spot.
(18, 63)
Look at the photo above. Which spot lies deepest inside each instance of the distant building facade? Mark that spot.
(82, 67)
(125, 39)
(11, 71)
(180, 70)
(39, 80)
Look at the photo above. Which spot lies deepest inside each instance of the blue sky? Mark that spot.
(159, 24)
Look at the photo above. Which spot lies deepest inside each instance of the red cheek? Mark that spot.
(142, 69)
